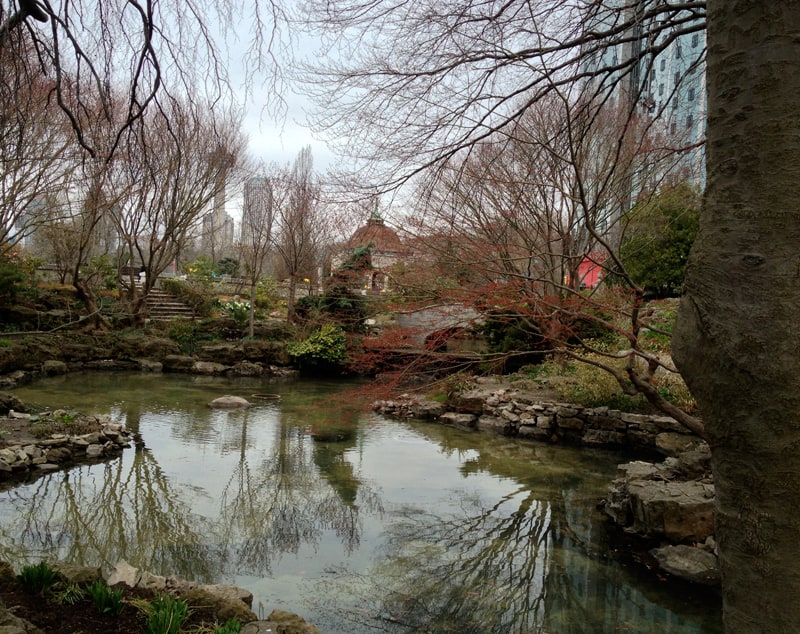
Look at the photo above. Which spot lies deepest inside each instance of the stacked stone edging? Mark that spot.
(49, 454)
(521, 414)
(42, 357)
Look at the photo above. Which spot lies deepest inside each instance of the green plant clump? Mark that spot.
(107, 600)
(11, 279)
(338, 304)
(60, 423)
(167, 614)
(267, 293)
(38, 579)
(323, 349)
(239, 311)
(232, 626)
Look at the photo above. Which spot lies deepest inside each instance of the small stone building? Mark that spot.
(385, 250)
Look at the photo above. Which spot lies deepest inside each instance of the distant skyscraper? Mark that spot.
(218, 226)
(257, 208)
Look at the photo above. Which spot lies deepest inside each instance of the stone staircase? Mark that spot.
(161, 306)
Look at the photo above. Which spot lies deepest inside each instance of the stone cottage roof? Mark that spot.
(376, 233)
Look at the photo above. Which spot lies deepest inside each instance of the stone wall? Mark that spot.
(521, 414)
(39, 356)
(103, 439)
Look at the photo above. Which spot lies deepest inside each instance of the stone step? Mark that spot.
(161, 306)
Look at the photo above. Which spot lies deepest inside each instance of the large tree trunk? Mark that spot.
(94, 320)
(737, 341)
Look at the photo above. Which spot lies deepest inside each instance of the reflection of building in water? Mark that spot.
(373, 250)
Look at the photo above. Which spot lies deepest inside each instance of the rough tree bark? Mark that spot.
(737, 340)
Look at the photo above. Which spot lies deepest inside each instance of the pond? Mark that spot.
(357, 522)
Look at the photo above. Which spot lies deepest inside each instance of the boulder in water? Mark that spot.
(229, 402)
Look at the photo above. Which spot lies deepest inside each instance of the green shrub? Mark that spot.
(173, 286)
(107, 600)
(659, 234)
(11, 279)
(102, 267)
(232, 626)
(38, 579)
(202, 267)
(338, 303)
(325, 348)
(227, 266)
(167, 614)
(184, 333)
(267, 293)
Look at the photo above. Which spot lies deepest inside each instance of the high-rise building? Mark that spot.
(218, 226)
(257, 209)
(667, 83)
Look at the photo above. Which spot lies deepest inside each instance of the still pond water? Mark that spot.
(357, 522)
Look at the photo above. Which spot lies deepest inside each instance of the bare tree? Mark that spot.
(36, 154)
(71, 237)
(524, 214)
(257, 214)
(404, 87)
(122, 55)
(165, 183)
(300, 227)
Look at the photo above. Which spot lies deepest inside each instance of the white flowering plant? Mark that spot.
(238, 310)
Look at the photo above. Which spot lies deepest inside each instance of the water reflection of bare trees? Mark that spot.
(280, 496)
(534, 560)
(480, 570)
(289, 497)
(98, 515)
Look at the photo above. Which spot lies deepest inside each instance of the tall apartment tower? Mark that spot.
(256, 209)
(218, 226)
(668, 82)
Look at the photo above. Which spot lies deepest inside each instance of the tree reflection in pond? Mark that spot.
(353, 520)
(275, 502)
(70, 515)
(277, 497)
(533, 560)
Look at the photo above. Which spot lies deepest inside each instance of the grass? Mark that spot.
(166, 616)
(38, 579)
(107, 600)
(61, 423)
